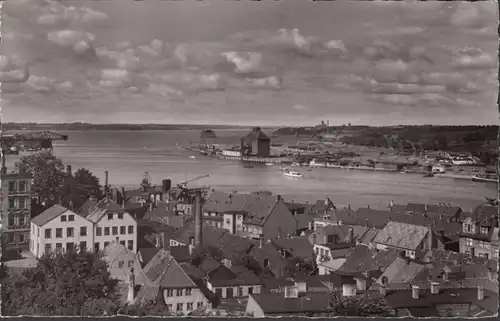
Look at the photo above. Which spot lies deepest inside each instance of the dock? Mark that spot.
(254, 159)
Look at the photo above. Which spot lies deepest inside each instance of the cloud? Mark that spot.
(115, 78)
(477, 61)
(300, 107)
(12, 70)
(80, 42)
(48, 85)
(59, 15)
(164, 91)
(271, 82)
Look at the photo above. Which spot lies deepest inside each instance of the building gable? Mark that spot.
(279, 221)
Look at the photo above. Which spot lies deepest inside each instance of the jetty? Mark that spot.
(255, 159)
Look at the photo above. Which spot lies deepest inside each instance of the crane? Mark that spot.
(183, 185)
(146, 181)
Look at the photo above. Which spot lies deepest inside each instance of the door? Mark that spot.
(229, 293)
(218, 293)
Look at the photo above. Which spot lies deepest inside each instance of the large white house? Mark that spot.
(60, 229)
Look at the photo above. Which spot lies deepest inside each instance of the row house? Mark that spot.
(16, 210)
(479, 235)
(60, 229)
(250, 215)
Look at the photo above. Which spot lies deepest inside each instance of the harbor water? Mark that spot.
(126, 155)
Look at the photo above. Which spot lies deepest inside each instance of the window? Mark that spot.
(120, 265)
(21, 220)
(12, 204)
(199, 305)
(250, 290)
(106, 244)
(122, 243)
(58, 232)
(120, 216)
(106, 231)
(63, 218)
(83, 231)
(170, 292)
(12, 186)
(69, 246)
(179, 306)
(48, 233)
(169, 307)
(98, 231)
(69, 232)
(58, 247)
(21, 238)
(240, 291)
(179, 292)
(123, 230)
(96, 246)
(228, 221)
(11, 220)
(22, 202)
(189, 306)
(469, 242)
(130, 245)
(266, 262)
(188, 291)
(48, 248)
(71, 218)
(110, 216)
(130, 229)
(115, 230)
(130, 263)
(496, 254)
(468, 228)
(484, 230)
(83, 246)
(22, 186)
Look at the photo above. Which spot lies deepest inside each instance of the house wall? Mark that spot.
(16, 220)
(245, 290)
(127, 221)
(280, 221)
(120, 265)
(232, 222)
(172, 300)
(478, 248)
(253, 308)
(39, 243)
(231, 153)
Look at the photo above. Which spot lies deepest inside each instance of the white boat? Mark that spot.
(485, 178)
(269, 164)
(292, 174)
(192, 157)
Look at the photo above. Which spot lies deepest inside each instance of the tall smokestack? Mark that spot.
(198, 221)
(4, 168)
(106, 182)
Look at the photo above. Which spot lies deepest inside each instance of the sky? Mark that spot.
(269, 63)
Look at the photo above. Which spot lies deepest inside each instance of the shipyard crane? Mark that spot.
(183, 185)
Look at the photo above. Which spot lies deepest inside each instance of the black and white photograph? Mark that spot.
(285, 158)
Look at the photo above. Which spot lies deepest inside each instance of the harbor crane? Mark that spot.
(183, 185)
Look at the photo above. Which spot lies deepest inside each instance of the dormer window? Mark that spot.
(468, 228)
(484, 230)
(326, 217)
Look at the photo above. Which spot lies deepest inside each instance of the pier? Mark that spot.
(254, 159)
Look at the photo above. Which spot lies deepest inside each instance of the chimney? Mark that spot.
(131, 286)
(68, 170)
(278, 198)
(480, 293)
(157, 241)
(430, 239)
(123, 199)
(391, 204)
(368, 206)
(198, 221)
(4, 168)
(350, 237)
(310, 225)
(383, 290)
(426, 208)
(434, 287)
(415, 292)
(314, 238)
(261, 242)
(327, 202)
(150, 207)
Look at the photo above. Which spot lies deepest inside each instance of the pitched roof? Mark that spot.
(486, 215)
(147, 254)
(49, 214)
(363, 259)
(402, 235)
(298, 246)
(276, 303)
(256, 134)
(223, 276)
(181, 253)
(402, 271)
(102, 208)
(164, 271)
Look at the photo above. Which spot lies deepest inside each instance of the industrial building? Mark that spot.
(256, 143)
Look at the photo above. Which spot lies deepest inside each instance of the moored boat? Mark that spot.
(485, 178)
